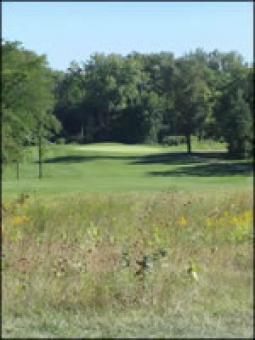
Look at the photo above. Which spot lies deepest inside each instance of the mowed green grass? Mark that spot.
(111, 167)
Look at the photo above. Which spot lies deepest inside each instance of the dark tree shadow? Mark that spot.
(68, 159)
(217, 163)
(181, 158)
(81, 159)
(165, 158)
(211, 169)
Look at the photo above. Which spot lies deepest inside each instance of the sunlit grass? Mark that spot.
(166, 256)
(120, 168)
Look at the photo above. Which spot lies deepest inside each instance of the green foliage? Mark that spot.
(60, 140)
(142, 98)
(27, 99)
(139, 98)
(236, 123)
(173, 140)
(191, 97)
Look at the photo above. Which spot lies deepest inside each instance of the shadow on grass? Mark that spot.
(68, 159)
(211, 169)
(217, 163)
(180, 158)
(161, 158)
(81, 159)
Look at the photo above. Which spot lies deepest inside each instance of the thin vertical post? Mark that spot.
(40, 155)
(17, 170)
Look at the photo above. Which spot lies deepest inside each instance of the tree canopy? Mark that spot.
(27, 99)
(138, 98)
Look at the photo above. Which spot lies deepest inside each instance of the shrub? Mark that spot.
(174, 140)
(61, 140)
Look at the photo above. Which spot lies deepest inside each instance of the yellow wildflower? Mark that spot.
(208, 222)
(19, 220)
(246, 219)
(183, 221)
(243, 220)
(235, 220)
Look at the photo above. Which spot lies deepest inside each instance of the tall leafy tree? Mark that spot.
(27, 99)
(234, 118)
(191, 98)
(102, 95)
(69, 93)
(141, 98)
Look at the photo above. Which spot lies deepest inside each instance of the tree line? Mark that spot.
(137, 98)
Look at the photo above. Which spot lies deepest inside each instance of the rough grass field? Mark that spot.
(128, 241)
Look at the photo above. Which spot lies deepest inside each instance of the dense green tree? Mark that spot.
(27, 100)
(233, 103)
(69, 93)
(191, 98)
(153, 83)
(139, 98)
(103, 95)
(234, 119)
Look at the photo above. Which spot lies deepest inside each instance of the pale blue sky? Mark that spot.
(67, 31)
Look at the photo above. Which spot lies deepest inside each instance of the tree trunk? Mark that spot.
(17, 169)
(82, 131)
(40, 156)
(188, 140)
